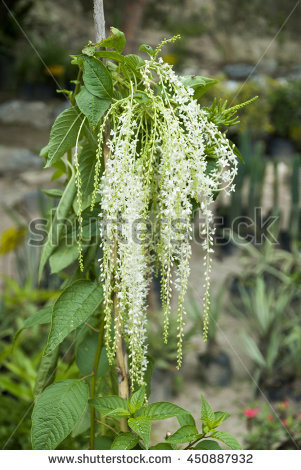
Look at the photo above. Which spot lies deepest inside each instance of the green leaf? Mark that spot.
(75, 305)
(207, 414)
(46, 371)
(220, 417)
(199, 84)
(253, 350)
(227, 439)
(148, 49)
(111, 406)
(62, 257)
(161, 410)
(207, 444)
(57, 410)
(110, 55)
(162, 446)
(103, 443)
(186, 419)
(148, 374)
(56, 225)
(85, 354)
(53, 192)
(186, 433)
(131, 65)
(63, 134)
(41, 317)
(142, 426)
(116, 41)
(137, 400)
(97, 78)
(91, 106)
(125, 441)
(87, 161)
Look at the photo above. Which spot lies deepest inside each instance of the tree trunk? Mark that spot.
(99, 20)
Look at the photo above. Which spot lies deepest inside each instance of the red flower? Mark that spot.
(270, 418)
(299, 415)
(251, 412)
(285, 404)
(285, 422)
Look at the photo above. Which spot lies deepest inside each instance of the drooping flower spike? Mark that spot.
(157, 164)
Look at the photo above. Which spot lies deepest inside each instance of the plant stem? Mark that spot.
(94, 379)
(123, 383)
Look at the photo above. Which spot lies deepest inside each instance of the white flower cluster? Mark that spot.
(157, 165)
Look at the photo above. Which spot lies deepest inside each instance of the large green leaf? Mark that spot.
(41, 317)
(75, 305)
(63, 134)
(184, 434)
(63, 256)
(111, 406)
(86, 161)
(186, 419)
(97, 78)
(142, 426)
(227, 439)
(91, 106)
(116, 41)
(57, 410)
(208, 444)
(125, 441)
(207, 414)
(137, 400)
(56, 224)
(161, 410)
(199, 84)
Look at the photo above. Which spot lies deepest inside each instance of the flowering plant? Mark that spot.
(277, 429)
(145, 153)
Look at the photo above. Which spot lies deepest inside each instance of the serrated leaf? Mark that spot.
(207, 444)
(199, 84)
(57, 410)
(86, 161)
(142, 426)
(137, 400)
(75, 305)
(227, 439)
(63, 134)
(97, 78)
(207, 414)
(184, 420)
(85, 354)
(161, 410)
(125, 441)
(116, 41)
(111, 406)
(220, 417)
(56, 225)
(184, 434)
(91, 106)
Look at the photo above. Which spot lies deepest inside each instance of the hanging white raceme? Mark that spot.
(156, 165)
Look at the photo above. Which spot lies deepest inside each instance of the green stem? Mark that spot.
(94, 380)
(191, 444)
(77, 87)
